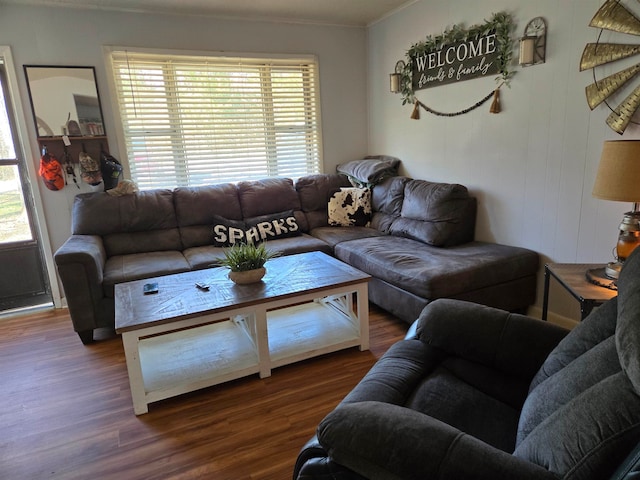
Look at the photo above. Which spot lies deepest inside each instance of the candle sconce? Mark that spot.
(534, 43)
(395, 78)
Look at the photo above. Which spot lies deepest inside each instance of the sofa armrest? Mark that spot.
(80, 262)
(310, 451)
(85, 249)
(387, 442)
(313, 463)
(512, 343)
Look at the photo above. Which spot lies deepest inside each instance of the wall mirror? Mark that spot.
(65, 101)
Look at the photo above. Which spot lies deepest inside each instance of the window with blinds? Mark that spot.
(197, 120)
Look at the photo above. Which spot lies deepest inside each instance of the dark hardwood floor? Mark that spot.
(66, 411)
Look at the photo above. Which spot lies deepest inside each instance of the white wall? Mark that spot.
(532, 166)
(63, 36)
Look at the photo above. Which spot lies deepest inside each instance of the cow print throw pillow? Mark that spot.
(350, 207)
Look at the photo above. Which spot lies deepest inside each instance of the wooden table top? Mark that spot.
(179, 298)
(573, 276)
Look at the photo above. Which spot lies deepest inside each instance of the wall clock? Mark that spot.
(613, 16)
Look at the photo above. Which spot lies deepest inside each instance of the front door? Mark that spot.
(23, 275)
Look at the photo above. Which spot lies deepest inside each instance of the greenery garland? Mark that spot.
(500, 22)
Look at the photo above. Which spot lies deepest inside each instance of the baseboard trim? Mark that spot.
(566, 322)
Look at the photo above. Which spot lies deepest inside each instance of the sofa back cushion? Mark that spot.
(142, 222)
(591, 430)
(269, 196)
(628, 325)
(386, 202)
(199, 208)
(314, 192)
(439, 214)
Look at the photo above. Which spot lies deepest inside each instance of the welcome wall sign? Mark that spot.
(457, 62)
(457, 55)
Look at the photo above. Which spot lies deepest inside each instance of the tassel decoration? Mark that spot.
(495, 105)
(415, 115)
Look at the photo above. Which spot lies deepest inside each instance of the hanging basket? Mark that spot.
(248, 276)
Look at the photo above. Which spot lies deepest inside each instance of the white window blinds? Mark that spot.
(196, 120)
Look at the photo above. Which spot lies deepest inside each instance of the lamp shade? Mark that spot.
(618, 176)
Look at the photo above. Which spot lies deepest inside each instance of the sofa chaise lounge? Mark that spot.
(419, 244)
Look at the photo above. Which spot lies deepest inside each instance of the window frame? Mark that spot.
(312, 111)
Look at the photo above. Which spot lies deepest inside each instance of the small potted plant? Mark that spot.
(246, 262)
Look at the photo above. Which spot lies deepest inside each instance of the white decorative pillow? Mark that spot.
(257, 229)
(350, 207)
(228, 232)
(271, 227)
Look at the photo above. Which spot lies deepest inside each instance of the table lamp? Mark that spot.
(618, 179)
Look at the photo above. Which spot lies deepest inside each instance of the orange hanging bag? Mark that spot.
(51, 171)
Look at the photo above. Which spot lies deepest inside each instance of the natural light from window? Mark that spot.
(14, 221)
(196, 120)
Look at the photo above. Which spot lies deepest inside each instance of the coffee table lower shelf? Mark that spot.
(186, 355)
(196, 358)
(307, 331)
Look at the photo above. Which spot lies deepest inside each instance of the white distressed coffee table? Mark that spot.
(183, 338)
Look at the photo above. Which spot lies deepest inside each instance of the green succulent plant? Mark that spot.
(241, 257)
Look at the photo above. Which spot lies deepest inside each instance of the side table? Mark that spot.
(572, 276)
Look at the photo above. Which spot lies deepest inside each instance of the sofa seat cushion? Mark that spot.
(335, 235)
(300, 244)
(425, 379)
(433, 272)
(445, 396)
(124, 268)
(204, 257)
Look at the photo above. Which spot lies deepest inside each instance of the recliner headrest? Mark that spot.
(628, 325)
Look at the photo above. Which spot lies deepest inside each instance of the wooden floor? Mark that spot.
(66, 411)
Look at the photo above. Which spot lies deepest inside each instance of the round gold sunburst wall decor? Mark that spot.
(616, 17)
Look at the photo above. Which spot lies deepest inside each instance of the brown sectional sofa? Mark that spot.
(418, 247)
